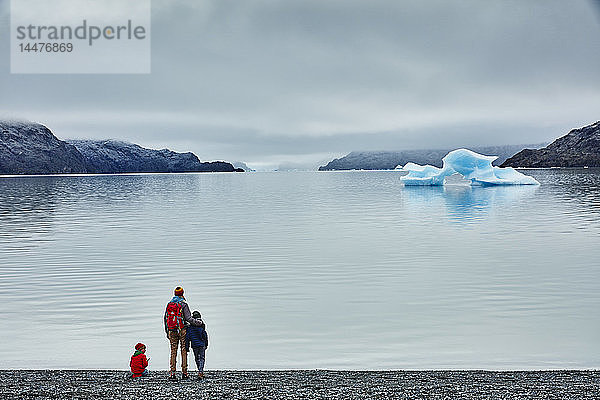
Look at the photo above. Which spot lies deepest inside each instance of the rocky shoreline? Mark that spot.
(304, 384)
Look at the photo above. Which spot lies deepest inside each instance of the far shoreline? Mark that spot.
(118, 174)
(68, 175)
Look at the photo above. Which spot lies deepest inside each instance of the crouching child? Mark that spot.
(139, 362)
(197, 337)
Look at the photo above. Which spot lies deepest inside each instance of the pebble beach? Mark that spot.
(303, 384)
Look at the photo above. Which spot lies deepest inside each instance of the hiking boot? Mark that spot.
(185, 377)
(200, 375)
(173, 377)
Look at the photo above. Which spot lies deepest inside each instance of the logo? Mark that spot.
(80, 36)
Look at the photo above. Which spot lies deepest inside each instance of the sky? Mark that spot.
(278, 83)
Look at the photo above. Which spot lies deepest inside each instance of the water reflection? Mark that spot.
(467, 203)
(27, 208)
(464, 203)
(579, 186)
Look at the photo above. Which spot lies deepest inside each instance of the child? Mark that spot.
(197, 336)
(139, 362)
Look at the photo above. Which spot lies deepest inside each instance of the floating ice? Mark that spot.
(423, 175)
(472, 166)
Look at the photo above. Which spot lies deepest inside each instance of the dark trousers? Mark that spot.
(199, 357)
(145, 373)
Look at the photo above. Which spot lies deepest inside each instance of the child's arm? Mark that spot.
(144, 362)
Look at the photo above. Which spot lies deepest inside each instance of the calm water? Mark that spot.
(345, 270)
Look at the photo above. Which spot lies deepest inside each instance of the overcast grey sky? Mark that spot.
(302, 81)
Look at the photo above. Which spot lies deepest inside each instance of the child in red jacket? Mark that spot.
(139, 362)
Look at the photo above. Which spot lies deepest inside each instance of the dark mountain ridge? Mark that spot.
(31, 148)
(115, 156)
(578, 148)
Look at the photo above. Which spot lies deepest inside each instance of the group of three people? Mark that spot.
(184, 329)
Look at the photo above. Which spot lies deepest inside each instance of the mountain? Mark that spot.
(31, 148)
(578, 148)
(241, 166)
(114, 156)
(391, 159)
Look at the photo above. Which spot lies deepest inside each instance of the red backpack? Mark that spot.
(173, 316)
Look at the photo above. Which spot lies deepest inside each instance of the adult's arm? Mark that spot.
(187, 316)
(206, 338)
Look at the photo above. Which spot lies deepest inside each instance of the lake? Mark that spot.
(340, 270)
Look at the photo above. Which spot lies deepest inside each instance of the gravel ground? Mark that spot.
(312, 384)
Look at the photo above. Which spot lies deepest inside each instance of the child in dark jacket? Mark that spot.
(198, 338)
(139, 362)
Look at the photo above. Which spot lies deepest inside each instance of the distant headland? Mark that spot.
(29, 148)
(578, 148)
(371, 160)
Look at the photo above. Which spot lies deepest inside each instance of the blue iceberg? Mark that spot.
(474, 167)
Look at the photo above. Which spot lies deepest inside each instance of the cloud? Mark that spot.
(261, 79)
